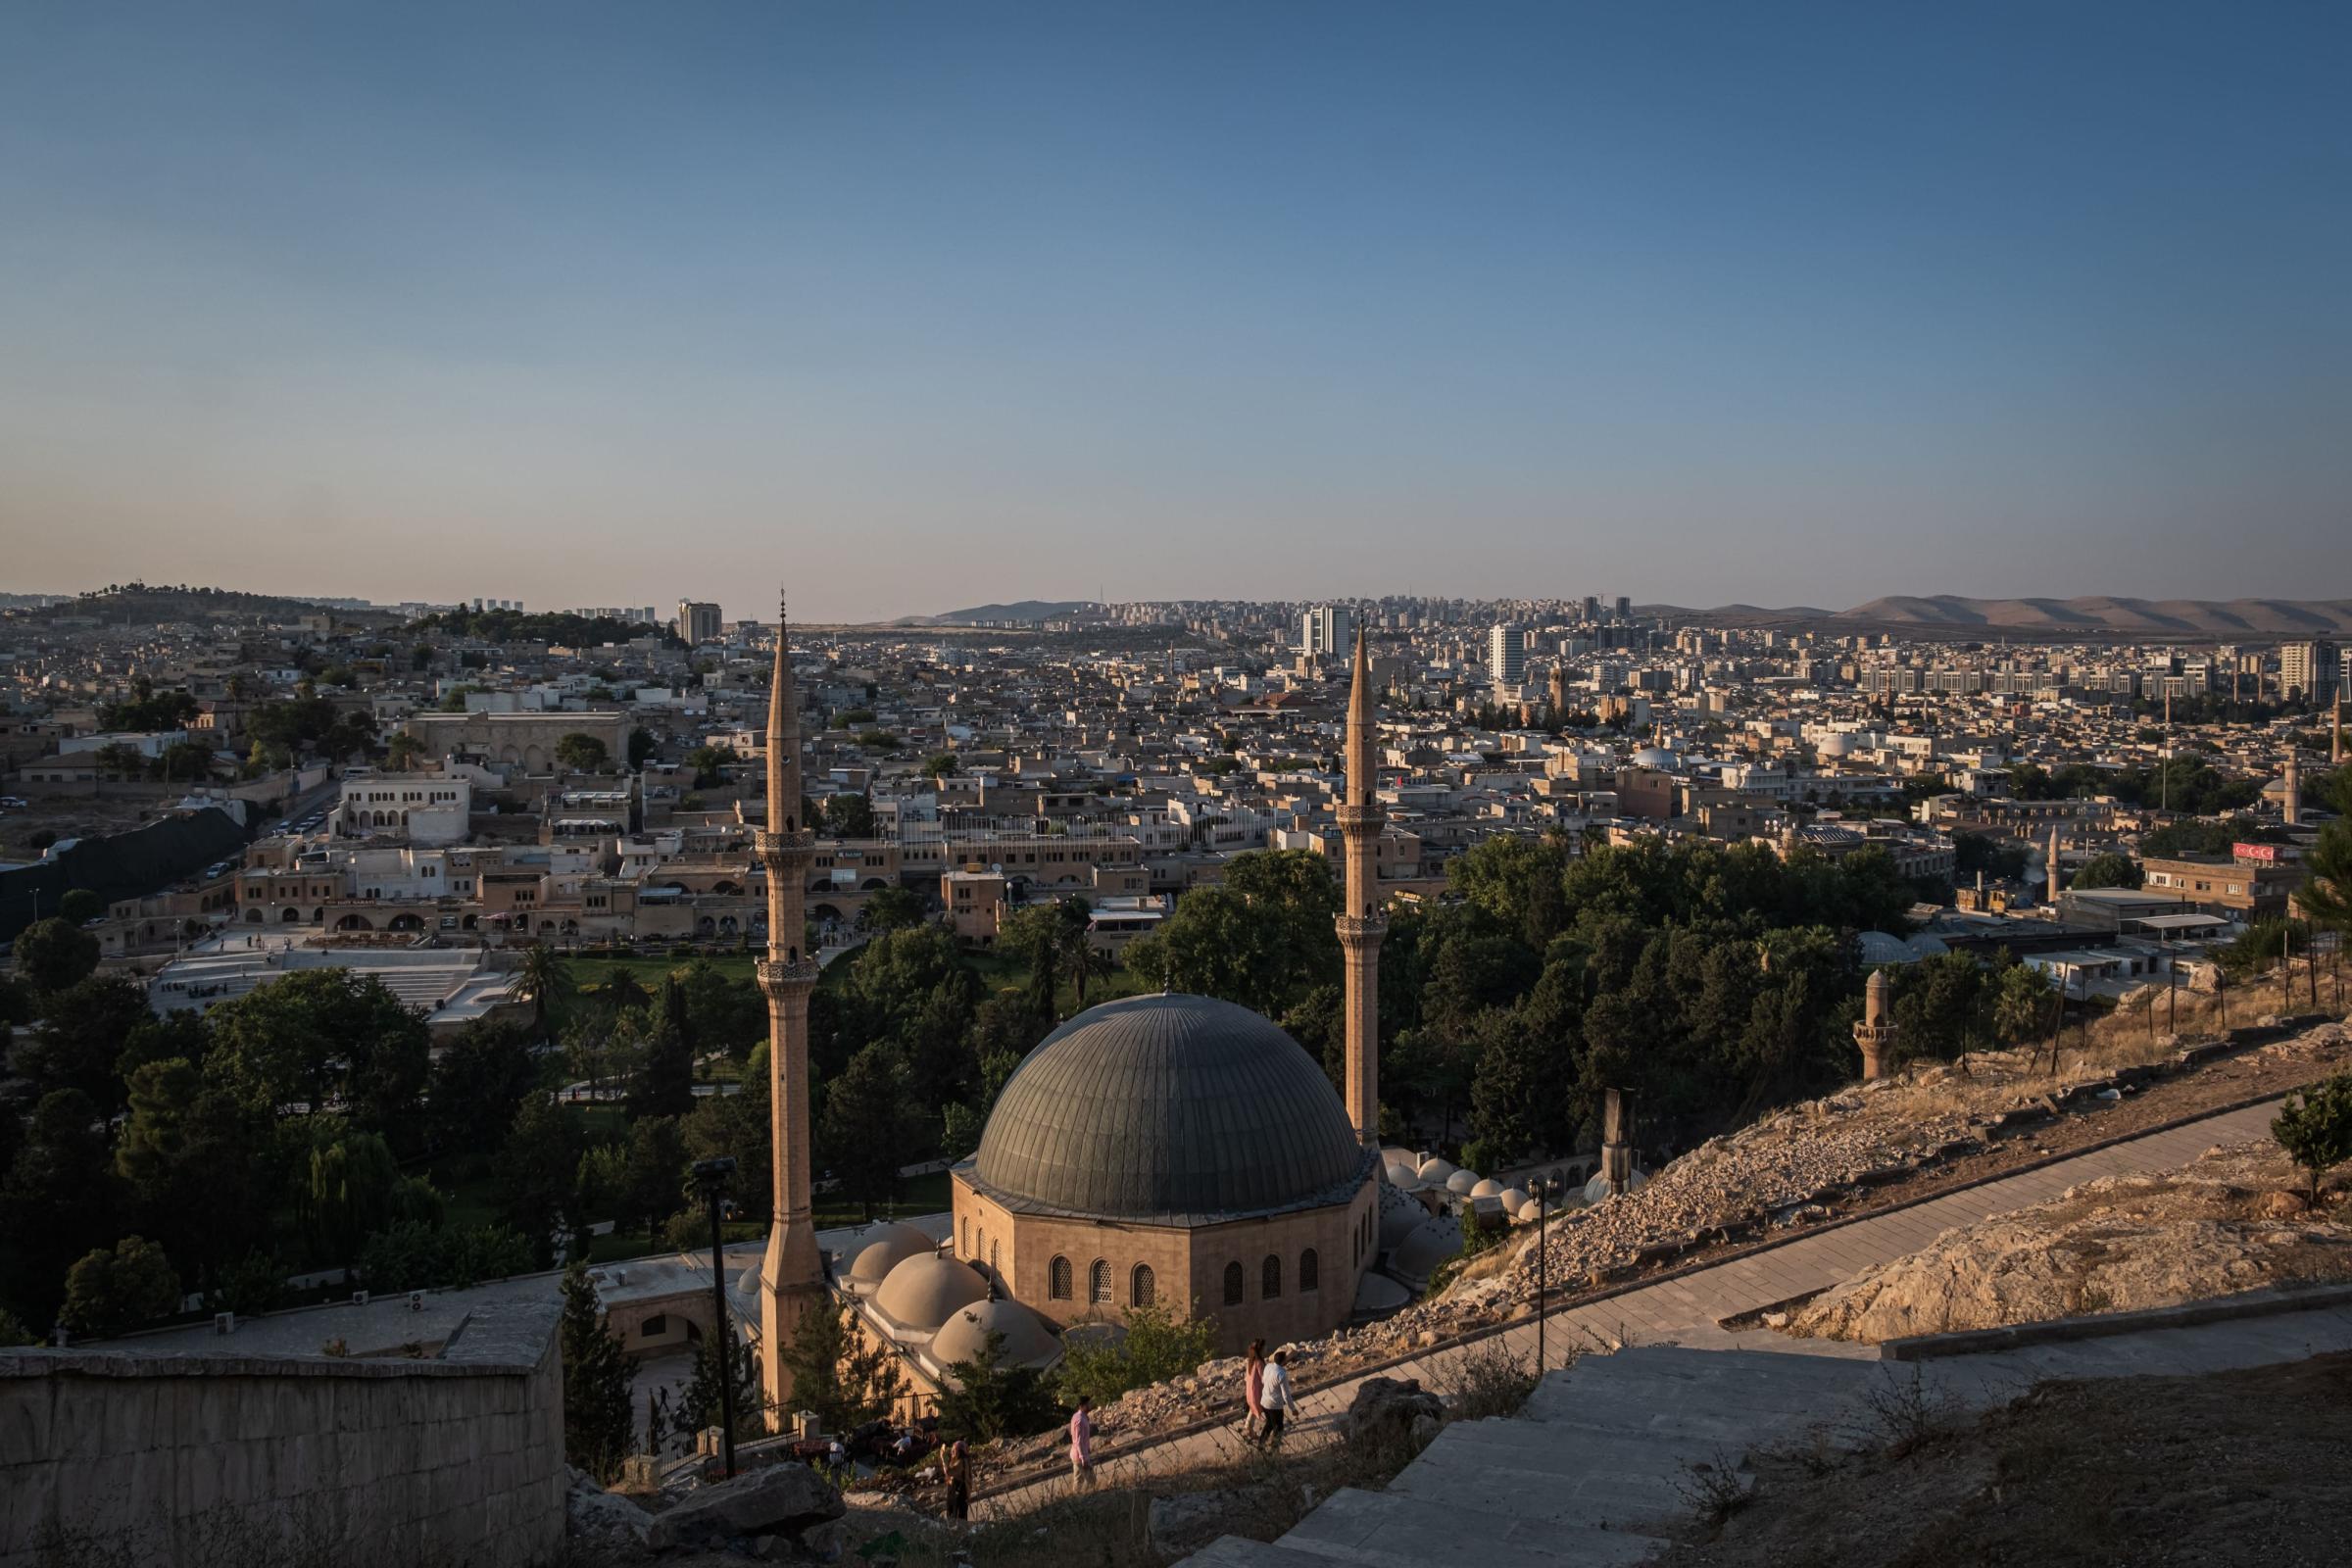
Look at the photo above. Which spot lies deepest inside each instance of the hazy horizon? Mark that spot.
(918, 308)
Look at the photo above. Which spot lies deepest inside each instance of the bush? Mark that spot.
(995, 1398)
(107, 1292)
(1155, 1348)
(2316, 1128)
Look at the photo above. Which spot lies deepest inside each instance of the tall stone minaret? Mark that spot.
(790, 1277)
(1360, 925)
(2055, 877)
(2290, 809)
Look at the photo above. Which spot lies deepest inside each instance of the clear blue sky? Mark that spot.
(923, 305)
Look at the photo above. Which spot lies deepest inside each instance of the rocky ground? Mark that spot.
(2234, 1220)
(2232, 1470)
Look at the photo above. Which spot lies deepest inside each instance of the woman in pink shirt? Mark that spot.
(1254, 1380)
(1082, 1442)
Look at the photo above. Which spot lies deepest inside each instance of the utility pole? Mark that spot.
(711, 1176)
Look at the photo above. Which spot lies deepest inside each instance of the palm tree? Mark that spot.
(546, 976)
(622, 990)
(1082, 959)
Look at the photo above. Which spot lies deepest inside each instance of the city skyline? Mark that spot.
(1829, 304)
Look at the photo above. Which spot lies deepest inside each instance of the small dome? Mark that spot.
(1656, 756)
(921, 1291)
(1487, 1187)
(1432, 1242)
(1399, 1157)
(883, 1247)
(1461, 1180)
(1027, 1339)
(1530, 1210)
(1437, 1170)
(1513, 1200)
(1396, 1224)
(1404, 1176)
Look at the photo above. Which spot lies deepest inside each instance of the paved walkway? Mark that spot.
(1602, 1461)
(1685, 1311)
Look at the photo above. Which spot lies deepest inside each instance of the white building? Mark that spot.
(427, 809)
(1327, 631)
(1506, 655)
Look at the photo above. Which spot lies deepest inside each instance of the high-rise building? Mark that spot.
(1625, 608)
(2308, 672)
(1326, 631)
(1506, 655)
(698, 622)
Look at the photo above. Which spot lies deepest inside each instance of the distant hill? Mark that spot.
(139, 604)
(2097, 615)
(1026, 611)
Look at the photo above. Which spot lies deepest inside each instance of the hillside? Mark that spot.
(1027, 611)
(139, 604)
(2092, 616)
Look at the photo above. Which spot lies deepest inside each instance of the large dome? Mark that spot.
(1174, 1109)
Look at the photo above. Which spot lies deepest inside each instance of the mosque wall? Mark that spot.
(171, 1457)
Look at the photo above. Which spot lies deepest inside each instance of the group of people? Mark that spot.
(1266, 1386)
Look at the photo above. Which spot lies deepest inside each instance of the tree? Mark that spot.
(723, 1013)
(320, 1033)
(2107, 872)
(941, 765)
(664, 1083)
(546, 979)
(54, 953)
(110, 1291)
(597, 1374)
(620, 989)
(81, 1035)
(196, 1165)
(2316, 1128)
(119, 759)
(642, 747)
(698, 1401)
(1080, 957)
(2020, 1012)
(81, 906)
(710, 765)
(992, 1398)
(60, 1193)
(476, 1086)
(402, 752)
(891, 910)
(537, 1168)
(2326, 894)
(849, 816)
(581, 754)
(349, 1194)
(847, 1378)
(651, 1174)
(865, 1127)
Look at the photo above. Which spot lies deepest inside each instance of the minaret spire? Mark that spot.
(1360, 925)
(790, 1277)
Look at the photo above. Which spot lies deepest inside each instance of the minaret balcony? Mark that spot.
(790, 852)
(1356, 819)
(779, 975)
(1353, 929)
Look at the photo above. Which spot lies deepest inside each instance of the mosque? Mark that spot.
(1171, 1151)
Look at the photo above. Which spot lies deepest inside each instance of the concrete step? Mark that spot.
(1571, 1451)
(1236, 1552)
(1604, 1495)
(1394, 1529)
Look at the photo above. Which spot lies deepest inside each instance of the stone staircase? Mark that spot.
(1598, 1458)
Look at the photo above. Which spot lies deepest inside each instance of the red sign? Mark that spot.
(2259, 854)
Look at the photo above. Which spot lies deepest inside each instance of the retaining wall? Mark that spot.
(453, 1460)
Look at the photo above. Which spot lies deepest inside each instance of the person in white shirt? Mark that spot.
(1274, 1395)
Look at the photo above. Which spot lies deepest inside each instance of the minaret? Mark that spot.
(1875, 1034)
(2335, 744)
(1360, 925)
(2290, 809)
(791, 1276)
(2055, 880)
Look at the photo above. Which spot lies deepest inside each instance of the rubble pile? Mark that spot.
(2227, 1223)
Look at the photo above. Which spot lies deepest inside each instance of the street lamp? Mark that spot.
(711, 1176)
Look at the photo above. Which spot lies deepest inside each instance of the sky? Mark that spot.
(913, 307)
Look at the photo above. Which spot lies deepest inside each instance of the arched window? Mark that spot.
(1233, 1284)
(1140, 1286)
(1310, 1268)
(1269, 1278)
(1097, 1283)
(967, 1235)
(991, 1257)
(1057, 1279)
(655, 1326)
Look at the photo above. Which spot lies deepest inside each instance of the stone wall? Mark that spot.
(457, 1459)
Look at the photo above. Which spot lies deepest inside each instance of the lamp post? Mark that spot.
(711, 1176)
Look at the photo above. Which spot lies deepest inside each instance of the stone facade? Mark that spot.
(1189, 1269)
(455, 1459)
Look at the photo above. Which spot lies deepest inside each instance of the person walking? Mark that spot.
(1082, 1444)
(1274, 1395)
(958, 1467)
(1253, 1378)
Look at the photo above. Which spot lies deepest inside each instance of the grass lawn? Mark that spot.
(998, 973)
(917, 1195)
(649, 971)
